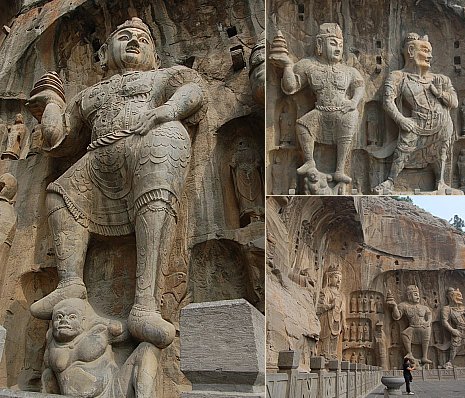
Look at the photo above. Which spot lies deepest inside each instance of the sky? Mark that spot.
(441, 206)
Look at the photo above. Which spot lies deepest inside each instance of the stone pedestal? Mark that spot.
(5, 393)
(222, 349)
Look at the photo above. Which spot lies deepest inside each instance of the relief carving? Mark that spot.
(453, 320)
(331, 312)
(338, 89)
(419, 322)
(131, 178)
(8, 188)
(17, 133)
(419, 102)
(79, 359)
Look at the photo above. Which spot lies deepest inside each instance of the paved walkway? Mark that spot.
(429, 389)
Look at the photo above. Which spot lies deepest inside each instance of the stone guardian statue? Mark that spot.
(419, 102)
(453, 320)
(338, 89)
(131, 177)
(419, 322)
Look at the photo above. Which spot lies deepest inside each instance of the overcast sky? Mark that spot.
(441, 206)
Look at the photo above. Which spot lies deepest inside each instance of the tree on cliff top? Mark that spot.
(457, 222)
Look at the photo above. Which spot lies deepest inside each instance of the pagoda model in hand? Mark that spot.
(132, 176)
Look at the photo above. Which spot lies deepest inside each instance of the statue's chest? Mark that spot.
(115, 104)
(329, 78)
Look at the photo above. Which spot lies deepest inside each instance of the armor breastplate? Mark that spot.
(330, 84)
(116, 104)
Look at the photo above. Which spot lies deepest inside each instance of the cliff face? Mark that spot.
(216, 254)
(379, 246)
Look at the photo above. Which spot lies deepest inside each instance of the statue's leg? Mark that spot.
(70, 240)
(154, 233)
(138, 373)
(406, 336)
(426, 336)
(440, 168)
(343, 148)
(307, 143)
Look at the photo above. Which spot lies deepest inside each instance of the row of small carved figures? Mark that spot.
(14, 137)
(365, 304)
(360, 332)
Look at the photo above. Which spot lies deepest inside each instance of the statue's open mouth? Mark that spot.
(133, 50)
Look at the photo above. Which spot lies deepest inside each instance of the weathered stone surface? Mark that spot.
(222, 347)
(376, 47)
(203, 40)
(387, 252)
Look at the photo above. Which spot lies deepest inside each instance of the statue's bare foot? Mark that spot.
(385, 188)
(442, 186)
(146, 324)
(425, 360)
(338, 176)
(448, 365)
(307, 167)
(409, 355)
(67, 288)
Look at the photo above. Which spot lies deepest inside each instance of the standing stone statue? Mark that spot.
(246, 167)
(286, 131)
(3, 133)
(132, 176)
(419, 322)
(453, 320)
(36, 141)
(79, 359)
(380, 341)
(419, 102)
(338, 89)
(331, 312)
(257, 70)
(8, 188)
(16, 136)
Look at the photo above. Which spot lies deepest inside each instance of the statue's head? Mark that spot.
(257, 70)
(68, 319)
(130, 47)
(8, 186)
(19, 118)
(454, 296)
(329, 42)
(334, 277)
(413, 294)
(417, 51)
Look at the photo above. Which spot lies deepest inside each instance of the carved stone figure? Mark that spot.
(461, 167)
(360, 332)
(453, 320)
(353, 304)
(3, 133)
(353, 358)
(331, 312)
(361, 357)
(353, 332)
(285, 127)
(380, 339)
(248, 182)
(360, 303)
(278, 175)
(257, 70)
(16, 135)
(36, 141)
(8, 188)
(419, 322)
(372, 304)
(79, 359)
(338, 89)
(316, 183)
(366, 332)
(365, 303)
(422, 112)
(462, 117)
(132, 176)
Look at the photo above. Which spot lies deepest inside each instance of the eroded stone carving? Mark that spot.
(338, 89)
(461, 167)
(79, 359)
(36, 141)
(419, 102)
(246, 167)
(8, 188)
(419, 322)
(257, 70)
(452, 317)
(331, 312)
(132, 176)
(16, 135)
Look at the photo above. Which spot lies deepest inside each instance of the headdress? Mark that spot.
(330, 30)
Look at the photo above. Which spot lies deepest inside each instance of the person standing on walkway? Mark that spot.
(408, 367)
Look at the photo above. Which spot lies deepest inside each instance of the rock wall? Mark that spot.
(380, 246)
(215, 255)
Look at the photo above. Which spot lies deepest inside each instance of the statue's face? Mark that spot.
(422, 54)
(131, 48)
(67, 323)
(335, 279)
(332, 49)
(456, 297)
(413, 296)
